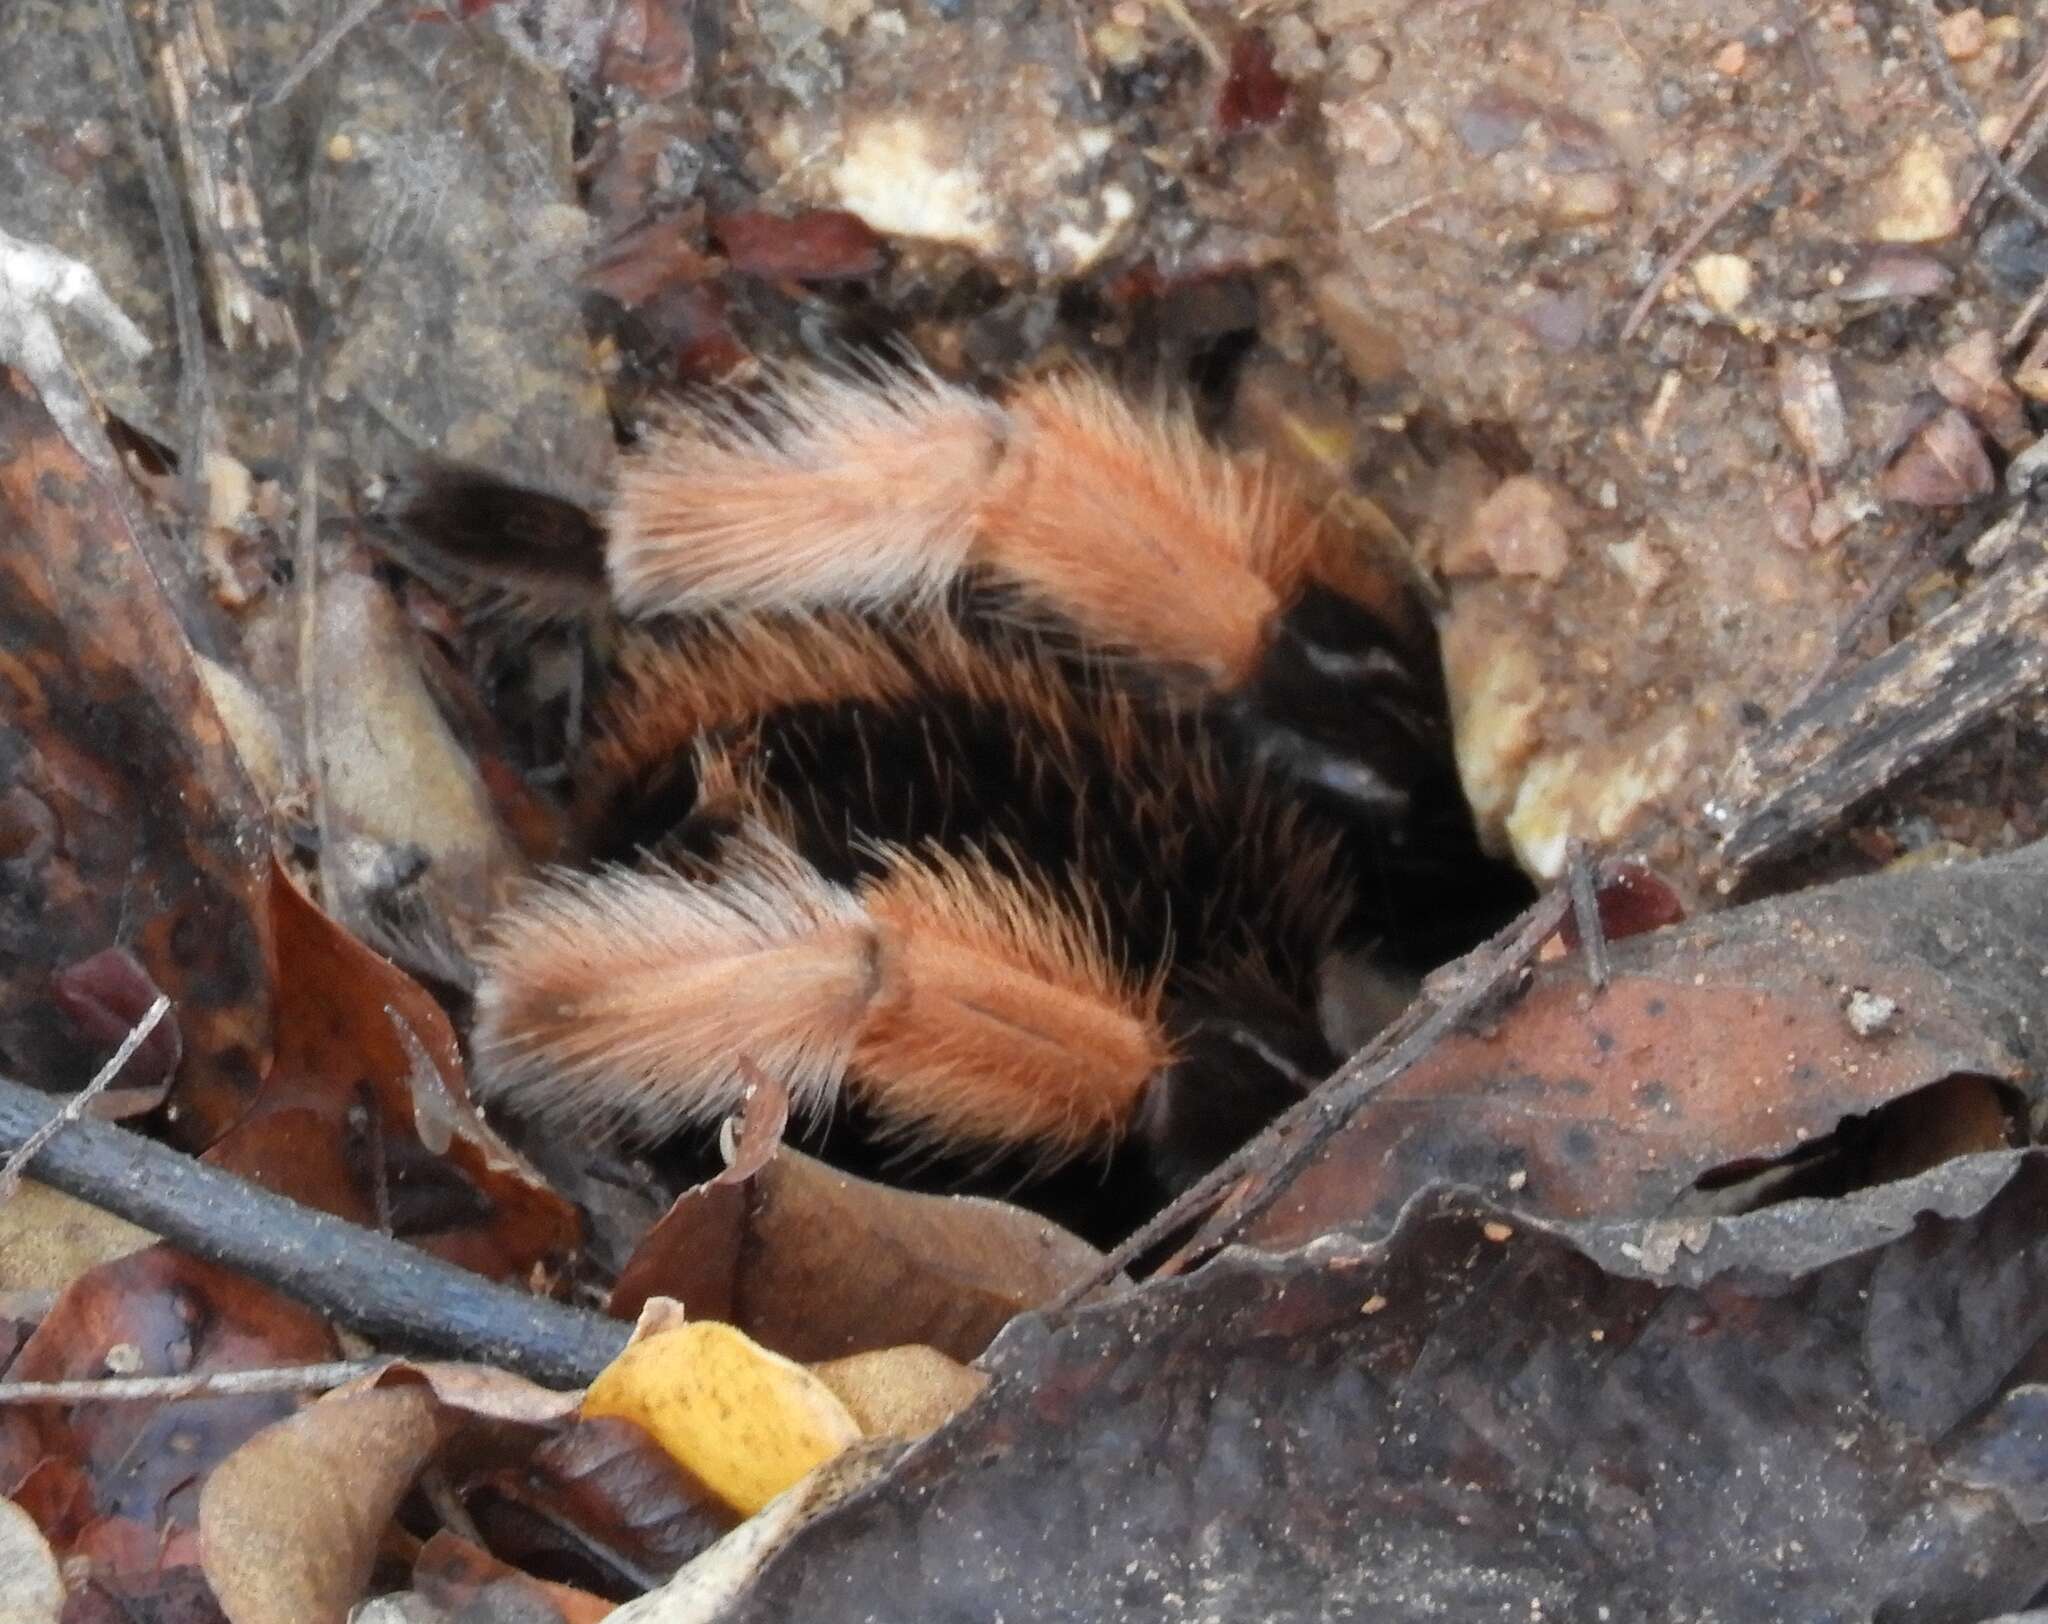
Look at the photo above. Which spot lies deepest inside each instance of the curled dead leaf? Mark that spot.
(901, 1392)
(817, 1264)
(289, 1524)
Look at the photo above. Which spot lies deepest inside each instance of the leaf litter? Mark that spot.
(1707, 1292)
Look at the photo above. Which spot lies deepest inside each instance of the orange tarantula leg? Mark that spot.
(832, 489)
(968, 1010)
(1002, 1019)
(1146, 537)
(621, 1003)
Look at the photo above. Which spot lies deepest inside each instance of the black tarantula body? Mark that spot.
(1002, 769)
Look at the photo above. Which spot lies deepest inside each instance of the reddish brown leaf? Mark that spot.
(1632, 899)
(1253, 91)
(456, 1575)
(647, 47)
(154, 1313)
(1724, 1045)
(1944, 465)
(124, 812)
(366, 1095)
(818, 245)
(637, 266)
(107, 996)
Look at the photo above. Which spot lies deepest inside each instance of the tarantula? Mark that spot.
(1008, 770)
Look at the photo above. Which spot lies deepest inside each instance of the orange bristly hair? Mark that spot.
(1001, 1019)
(969, 1011)
(622, 1003)
(829, 490)
(865, 493)
(672, 694)
(1140, 532)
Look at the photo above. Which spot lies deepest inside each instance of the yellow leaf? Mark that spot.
(745, 1422)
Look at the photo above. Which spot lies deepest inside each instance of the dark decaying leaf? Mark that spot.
(133, 1507)
(1631, 899)
(458, 1577)
(1824, 1410)
(1254, 92)
(1730, 1041)
(107, 996)
(600, 1497)
(125, 818)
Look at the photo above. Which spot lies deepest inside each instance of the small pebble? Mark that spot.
(1869, 1013)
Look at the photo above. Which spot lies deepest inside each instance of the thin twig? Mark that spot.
(1583, 885)
(318, 52)
(306, 541)
(195, 401)
(2030, 312)
(1466, 988)
(2023, 154)
(1966, 114)
(198, 1384)
(399, 1296)
(11, 1173)
(1750, 179)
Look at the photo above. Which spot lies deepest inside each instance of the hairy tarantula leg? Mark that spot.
(848, 491)
(968, 1010)
(1002, 1019)
(832, 489)
(1134, 528)
(621, 1003)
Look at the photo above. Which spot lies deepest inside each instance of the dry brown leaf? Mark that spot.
(289, 1523)
(818, 1264)
(346, 1106)
(901, 1392)
(156, 1312)
(48, 1239)
(482, 1392)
